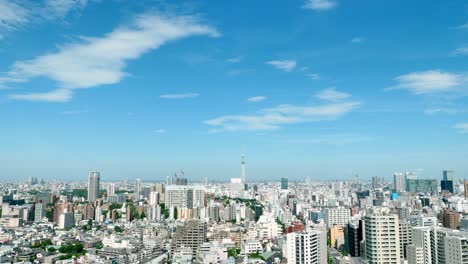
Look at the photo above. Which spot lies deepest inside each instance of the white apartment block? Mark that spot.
(307, 247)
(337, 216)
(382, 237)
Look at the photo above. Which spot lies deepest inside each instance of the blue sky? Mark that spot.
(319, 88)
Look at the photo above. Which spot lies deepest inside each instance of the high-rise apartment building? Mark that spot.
(39, 212)
(93, 186)
(405, 230)
(184, 196)
(137, 192)
(337, 216)
(450, 219)
(399, 182)
(421, 242)
(191, 234)
(382, 237)
(307, 247)
(375, 182)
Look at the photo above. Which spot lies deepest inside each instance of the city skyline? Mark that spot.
(325, 89)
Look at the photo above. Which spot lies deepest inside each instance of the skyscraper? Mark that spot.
(243, 169)
(448, 181)
(93, 186)
(381, 227)
(137, 189)
(399, 182)
(375, 182)
(284, 183)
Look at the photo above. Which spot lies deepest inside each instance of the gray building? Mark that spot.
(93, 186)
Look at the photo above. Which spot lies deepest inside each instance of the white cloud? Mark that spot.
(12, 15)
(313, 76)
(92, 62)
(234, 59)
(274, 118)
(15, 14)
(179, 96)
(60, 8)
(461, 51)
(285, 65)
(56, 96)
(331, 94)
(256, 99)
(357, 40)
(462, 127)
(427, 82)
(433, 111)
(160, 131)
(320, 5)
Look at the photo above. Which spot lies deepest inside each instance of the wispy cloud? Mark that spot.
(320, 5)
(16, 14)
(179, 96)
(442, 110)
(334, 139)
(235, 59)
(160, 131)
(313, 76)
(331, 94)
(460, 51)
(256, 99)
(428, 82)
(285, 65)
(12, 15)
(92, 62)
(462, 127)
(357, 40)
(274, 118)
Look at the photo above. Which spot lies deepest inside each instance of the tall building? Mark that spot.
(39, 212)
(93, 186)
(111, 189)
(375, 182)
(450, 219)
(307, 247)
(421, 242)
(399, 182)
(456, 249)
(284, 183)
(181, 196)
(337, 238)
(448, 175)
(466, 188)
(423, 186)
(448, 181)
(154, 198)
(337, 216)
(382, 239)
(192, 234)
(355, 236)
(137, 190)
(405, 232)
(243, 169)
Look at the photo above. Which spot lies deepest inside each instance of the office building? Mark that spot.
(337, 238)
(355, 236)
(184, 196)
(382, 239)
(422, 186)
(93, 186)
(450, 219)
(375, 182)
(284, 183)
